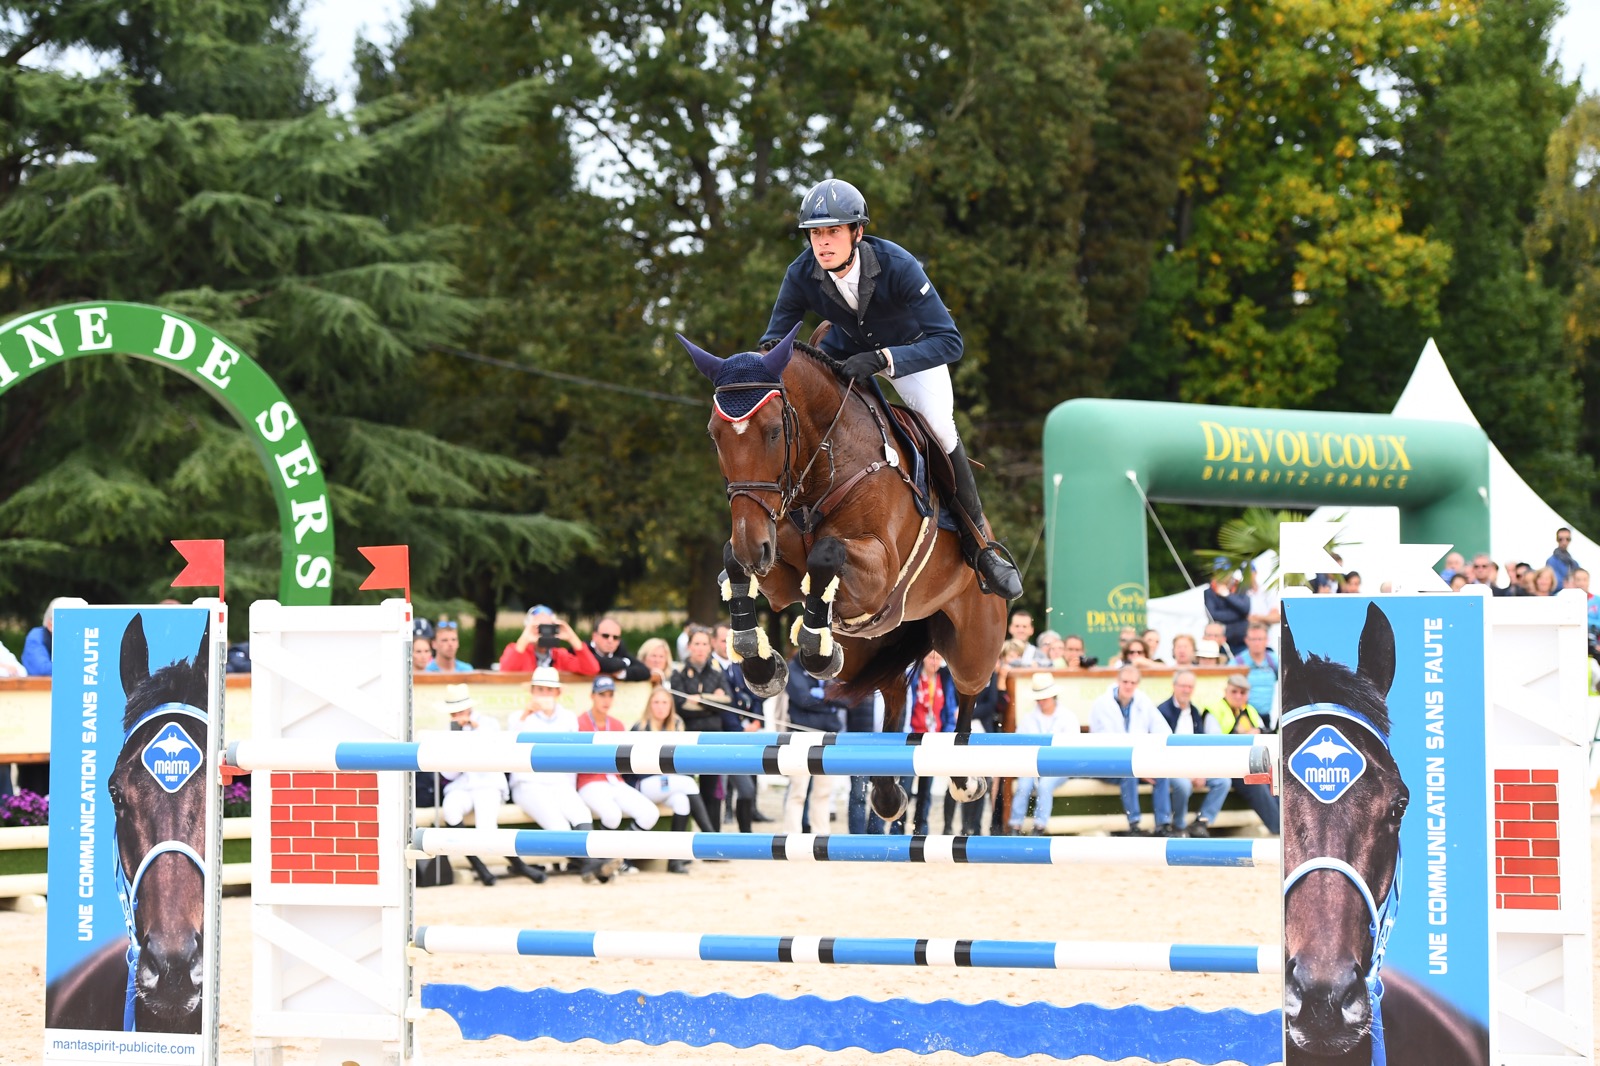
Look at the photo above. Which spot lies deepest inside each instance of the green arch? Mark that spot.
(1436, 473)
(44, 338)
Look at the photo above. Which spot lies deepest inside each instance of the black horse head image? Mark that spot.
(152, 982)
(1341, 856)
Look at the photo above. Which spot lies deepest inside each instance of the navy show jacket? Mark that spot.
(900, 309)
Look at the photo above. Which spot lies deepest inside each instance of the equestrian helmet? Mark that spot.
(833, 203)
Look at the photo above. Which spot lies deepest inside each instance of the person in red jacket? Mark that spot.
(548, 641)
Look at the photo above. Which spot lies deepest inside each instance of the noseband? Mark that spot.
(1381, 918)
(788, 486)
(128, 890)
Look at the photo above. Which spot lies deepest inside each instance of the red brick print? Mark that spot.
(336, 862)
(1546, 847)
(358, 878)
(336, 829)
(313, 779)
(291, 795)
(367, 795)
(1531, 830)
(1511, 776)
(1540, 867)
(314, 877)
(1513, 812)
(351, 779)
(316, 845)
(336, 796)
(1513, 885)
(1547, 886)
(1551, 776)
(314, 812)
(357, 814)
(290, 827)
(1515, 848)
(282, 845)
(1530, 793)
(1532, 903)
(292, 862)
(280, 779)
(1547, 812)
(359, 846)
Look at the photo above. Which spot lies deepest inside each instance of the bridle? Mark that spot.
(788, 486)
(128, 889)
(1382, 917)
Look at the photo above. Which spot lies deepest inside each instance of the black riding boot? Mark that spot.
(518, 867)
(680, 822)
(702, 817)
(999, 575)
(481, 870)
(743, 809)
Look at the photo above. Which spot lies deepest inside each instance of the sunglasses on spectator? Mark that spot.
(444, 624)
(608, 636)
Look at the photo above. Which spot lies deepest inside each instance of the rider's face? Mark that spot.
(831, 245)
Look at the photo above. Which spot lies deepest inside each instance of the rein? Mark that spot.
(128, 890)
(1381, 917)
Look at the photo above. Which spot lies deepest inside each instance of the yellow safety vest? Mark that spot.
(1227, 719)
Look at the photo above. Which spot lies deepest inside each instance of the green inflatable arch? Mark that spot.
(1436, 473)
(45, 338)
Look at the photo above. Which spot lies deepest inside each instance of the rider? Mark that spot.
(888, 319)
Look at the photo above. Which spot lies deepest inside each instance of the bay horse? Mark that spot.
(150, 980)
(825, 512)
(1341, 854)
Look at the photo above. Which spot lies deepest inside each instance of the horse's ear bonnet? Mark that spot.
(743, 376)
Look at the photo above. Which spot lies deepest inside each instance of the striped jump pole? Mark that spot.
(642, 738)
(491, 753)
(853, 951)
(806, 847)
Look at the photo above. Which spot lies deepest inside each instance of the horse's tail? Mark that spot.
(907, 644)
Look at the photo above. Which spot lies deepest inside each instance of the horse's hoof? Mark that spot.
(826, 667)
(759, 681)
(969, 788)
(888, 801)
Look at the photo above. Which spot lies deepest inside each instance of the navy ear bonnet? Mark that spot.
(743, 376)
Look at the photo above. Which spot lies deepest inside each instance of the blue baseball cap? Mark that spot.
(604, 683)
(540, 609)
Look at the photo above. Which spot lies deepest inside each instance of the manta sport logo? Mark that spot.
(172, 758)
(1327, 764)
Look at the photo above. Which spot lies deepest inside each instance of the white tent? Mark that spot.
(1521, 525)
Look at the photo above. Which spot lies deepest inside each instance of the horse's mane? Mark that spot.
(181, 682)
(829, 362)
(1315, 679)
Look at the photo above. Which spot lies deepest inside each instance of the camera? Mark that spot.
(455, 726)
(547, 635)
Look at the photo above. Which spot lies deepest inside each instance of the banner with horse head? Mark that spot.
(136, 723)
(1385, 831)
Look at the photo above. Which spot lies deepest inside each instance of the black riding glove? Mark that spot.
(861, 366)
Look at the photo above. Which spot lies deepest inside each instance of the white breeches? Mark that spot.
(554, 805)
(821, 807)
(484, 803)
(610, 800)
(672, 789)
(928, 393)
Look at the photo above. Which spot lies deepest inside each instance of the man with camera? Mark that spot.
(547, 641)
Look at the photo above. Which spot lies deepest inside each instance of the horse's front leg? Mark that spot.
(820, 654)
(765, 672)
(966, 789)
(888, 797)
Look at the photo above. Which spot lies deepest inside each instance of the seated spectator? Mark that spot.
(1234, 714)
(1021, 629)
(1454, 563)
(1049, 644)
(1014, 653)
(1134, 653)
(1183, 651)
(10, 666)
(1261, 667)
(1152, 646)
(1544, 582)
(1123, 709)
(656, 655)
(612, 654)
(1518, 579)
(1579, 579)
(1458, 581)
(1042, 718)
(930, 708)
(547, 641)
(479, 791)
(1226, 604)
(1350, 583)
(1215, 633)
(809, 710)
(1184, 718)
(1561, 563)
(1072, 654)
(446, 643)
(607, 795)
(679, 792)
(36, 647)
(421, 654)
(551, 798)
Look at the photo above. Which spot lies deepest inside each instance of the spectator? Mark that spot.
(1350, 584)
(863, 716)
(1458, 581)
(1021, 629)
(657, 658)
(930, 708)
(10, 666)
(743, 714)
(1042, 718)
(478, 791)
(987, 711)
(611, 654)
(1579, 579)
(36, 647)
(1266, 605)
(679, 792)
(1184, 718)
(719, 645)
(1124, 709)
(1226, 604)
(699, 677)
(1544, 582)
(1561, 562)
(1052, 648)
(421, 654)
(1519, 577)
(1261, 667)
(446, 643)
(1234, 714)
(421, 627)
(1213, 649)
(607, 795)
(547, 641)
(1454, 563)
(1485, 571)
(1324, 585)
(551, 799)
(1072, 655)
(1152, 646)
(1134, 653)
(1183, 651)
(809, 710)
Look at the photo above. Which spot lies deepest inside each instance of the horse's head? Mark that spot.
(161, 836)
(1341, 846)
(754, 428)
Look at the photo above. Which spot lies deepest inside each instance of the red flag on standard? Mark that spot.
(391, 568)
(204, 564)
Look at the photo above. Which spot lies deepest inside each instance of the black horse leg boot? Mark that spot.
(481, 870)
(997, 573)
